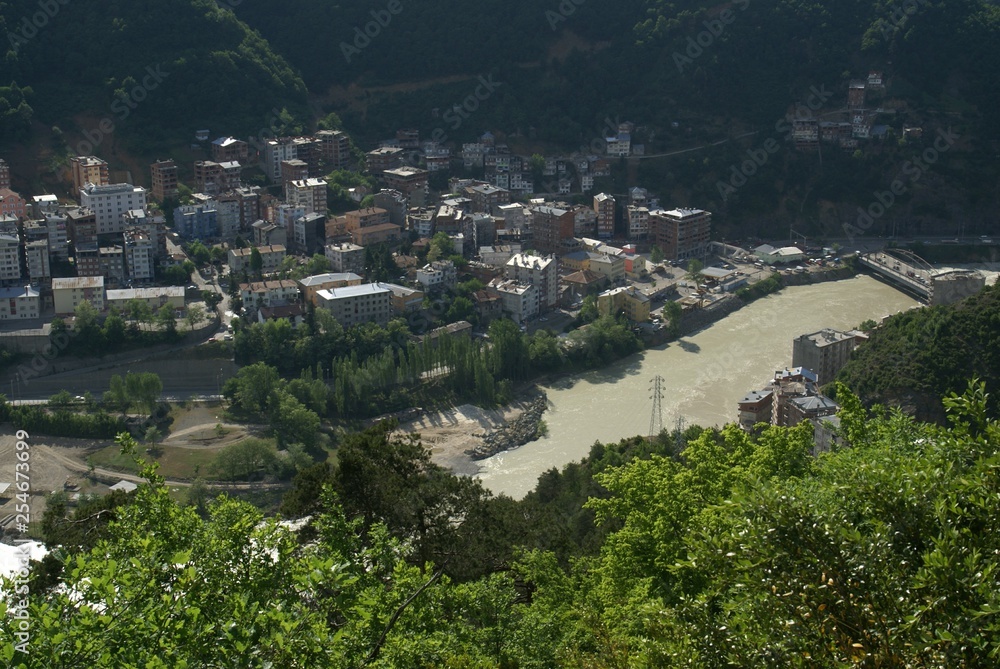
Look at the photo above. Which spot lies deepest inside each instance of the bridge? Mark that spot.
(905, 269)
(915, 275)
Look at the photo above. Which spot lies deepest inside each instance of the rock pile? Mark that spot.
(518, 432)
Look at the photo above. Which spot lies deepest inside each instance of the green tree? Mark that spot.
(256, 262)
(694, 268)
(195, 315)
(656, 254)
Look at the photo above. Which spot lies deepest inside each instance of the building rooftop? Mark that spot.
(14, 293)
(78, 282)
(353, 291)
(145, 293)
(330, 277)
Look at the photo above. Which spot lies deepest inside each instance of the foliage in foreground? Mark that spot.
(738, 551)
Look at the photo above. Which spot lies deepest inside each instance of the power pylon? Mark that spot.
(656, 418)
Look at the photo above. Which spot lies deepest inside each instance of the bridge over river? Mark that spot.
(911, 273)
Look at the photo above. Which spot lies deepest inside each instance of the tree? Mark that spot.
(211, 298)
(656, 254)
(246, 460)
(167, 319)
(143, 390)
(292, 422)
(195, 314)
(252, 387)
(694, 268)
(256, 262)
(139, 312)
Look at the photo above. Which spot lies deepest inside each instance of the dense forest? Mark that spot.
(689, 74)
(923, 354)
(879, 554)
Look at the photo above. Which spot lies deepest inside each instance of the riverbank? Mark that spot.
(459, 438)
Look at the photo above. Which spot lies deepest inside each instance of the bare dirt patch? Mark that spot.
(449, 434)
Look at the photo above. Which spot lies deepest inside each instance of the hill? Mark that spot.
(148, 74)
(921, 355)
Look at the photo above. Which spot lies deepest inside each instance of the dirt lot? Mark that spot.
(448, 434)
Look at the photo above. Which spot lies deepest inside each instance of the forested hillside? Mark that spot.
(160, 70)
(918, 356)
(735, 551)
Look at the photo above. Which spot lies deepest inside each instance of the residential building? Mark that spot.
(57, 225)
(309, 234)
(386, 233)
(230, 149)
(498, 256)
(12, 204)
(611, 267)
(438, 275)
(824, 352)
(311, 285)
(335, 148)
(519, 300)
(197, 221)
(285, 215)
(681, 233)
(384, 158)
(109, 203)
(87, 258)
(487, 197)
(152, 227)
(584, 221)
(267, 234)
(515, 216)
(619, 145)
(436, 157)
(638, 222)
(550, 226)
(269, 294)
(4, 174)
(213, 178)
(395, 203)
(632, 301)
(353, 305)
(604, 207)
(274, 151)
(112, 263)
(363, 218)
(36, 255)
(309, 194)
(805, 134)
(164, 180)
(140, 254)
(154, 297)
(20, 302)
(248, 202)
(410, 181)
(293, 313)
(405, 300)
(271, 258)
(81, 226)
(489, 306)
(10, 259)
(540, 272)
(67, 294)
(809, 407)
(346, 257)
(43, 205)
(756, 408)
(88, 170)
(421, 221)
(293, 170)
(856, 95)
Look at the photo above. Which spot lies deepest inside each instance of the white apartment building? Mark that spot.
(23, 302)
(542, 273)
(109, 203)
(140, 255)
(437, 275)
(36, 254)
(309, 194)
(520, 300)
(346, 257)
(352, 305)
(638, 222)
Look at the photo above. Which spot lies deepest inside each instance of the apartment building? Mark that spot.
(67, 294)
(634, 303)
(10, 259)
(681, 233)
(311, 285)
(346, 257)
(540, 272)
(604, 207)
(825, 352)
(36, 256)
(271, 257)
(109, 203)
(88, 170)
(353, 305)
(19, 303)
(269, 294)
(164, 180)
(309, 194)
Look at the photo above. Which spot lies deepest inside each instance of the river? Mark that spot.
(704, 374)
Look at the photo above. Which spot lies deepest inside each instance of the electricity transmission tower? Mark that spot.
(656, 418)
